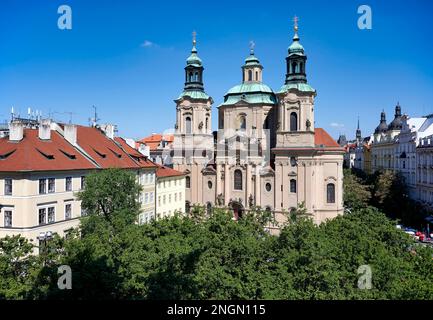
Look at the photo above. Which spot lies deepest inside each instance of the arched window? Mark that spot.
(293, 67)
(301, 67)
(196, 77)
(242, 122)
(188, 182)
(292, 186)
(188, 125)
(257, 76)
(238, 180)
(250, 75)
(293, 121)
(330, 193)
(190, 77)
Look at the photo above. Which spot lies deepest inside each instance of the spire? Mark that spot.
(194, 42)
(296, 59)
(194, 69)
(358, 132)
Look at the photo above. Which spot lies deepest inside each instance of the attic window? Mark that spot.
(116, 154)
(7, 154)
(69, 155)
(102, 155)
(46, 155)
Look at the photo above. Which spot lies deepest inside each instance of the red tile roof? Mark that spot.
(321, 137)
(154, 140)
(34, 154)
(102, 149)
(163, 171)
(141, 160)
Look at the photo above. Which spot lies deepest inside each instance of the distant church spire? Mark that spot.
(358, 133)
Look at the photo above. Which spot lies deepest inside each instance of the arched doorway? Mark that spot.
(238, 209)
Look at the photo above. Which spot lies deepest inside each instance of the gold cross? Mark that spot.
(194, 35)
(252, 46)
(295, 20)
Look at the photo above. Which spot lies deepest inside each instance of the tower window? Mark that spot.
(330, 193)
(293, 67)
(238, 180)
(293, 121)
(190, 77)
(257, 76)
(196, 77)
(292, 186)
(188, 124)
(301, 66)
(250, 75)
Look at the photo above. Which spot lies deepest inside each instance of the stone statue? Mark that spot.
(200, 125)
(220, 199)
(251, 200)
(308, 124)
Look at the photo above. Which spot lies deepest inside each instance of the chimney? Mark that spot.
(16, 131)
(108, 130)
(70, 133)
(45, 129)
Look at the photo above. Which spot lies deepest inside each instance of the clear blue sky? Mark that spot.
(103, 61)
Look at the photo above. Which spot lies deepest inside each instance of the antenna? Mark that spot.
(95, 119)
(70, 115)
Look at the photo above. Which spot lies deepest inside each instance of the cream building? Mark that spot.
(425, 170)
(267, 152)
(42, 169)
(170, 191)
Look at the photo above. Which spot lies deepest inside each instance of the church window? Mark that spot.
(293, 121)
(196, 77)
(188, 124)
(292, 186)
(242, 122)
(188, 182)
(268, 187)
(190, 77)
(301, 67)
(257, 76)
(293, 67)
(330, 193)
(250, 75)
(209, 184)
(238, 180)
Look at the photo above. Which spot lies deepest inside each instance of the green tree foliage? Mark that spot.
(201, 256)
(357, 194)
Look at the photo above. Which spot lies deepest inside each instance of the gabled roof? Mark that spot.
(102, 149)
(322, 138)
(34, 154)
(164, 171)
(155, 139)
(139, 158)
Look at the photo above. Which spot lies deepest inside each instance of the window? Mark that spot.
(51, 215)
(330, 193)
(257, 76)
(250, 75)
(146, 197)
(163, 199)
(242, 123)
(293, 121)
(175, 197)
(169, 198)
(292, 186)
(7, 218)
(159, 200)
(188, 182)
(268, 187)
(68, 211)
(151, 197)
(8, 187)
(42, 216)
(238, 180)
(83, 182)
(188, 125)
(42, 186)
(51, 185)
(293, 67)
(68, 184)
(180, 196)
(209, 184)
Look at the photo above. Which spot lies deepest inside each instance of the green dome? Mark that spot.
(250, 92)
(252, 60)
(296, 47)
(194, 94)
(193, 59)
(248, 87)
(303, 87)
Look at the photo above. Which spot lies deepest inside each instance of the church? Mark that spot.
(266, 152)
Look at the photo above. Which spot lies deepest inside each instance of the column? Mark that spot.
(248, 185)
(226, 184)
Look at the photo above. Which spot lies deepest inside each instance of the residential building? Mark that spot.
(170, 192)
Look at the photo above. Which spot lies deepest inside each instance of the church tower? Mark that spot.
(308, 162)
(193, 138)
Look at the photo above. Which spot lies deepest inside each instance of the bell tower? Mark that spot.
(193, 138)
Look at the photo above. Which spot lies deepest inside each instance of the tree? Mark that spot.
(356, 194)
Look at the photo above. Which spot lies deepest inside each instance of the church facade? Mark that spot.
(266, 152)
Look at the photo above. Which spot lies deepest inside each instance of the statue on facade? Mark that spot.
(251, 200)
(200, 125)
(220, 199)
(308, 124)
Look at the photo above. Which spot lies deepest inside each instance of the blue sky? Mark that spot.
(127, 57)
